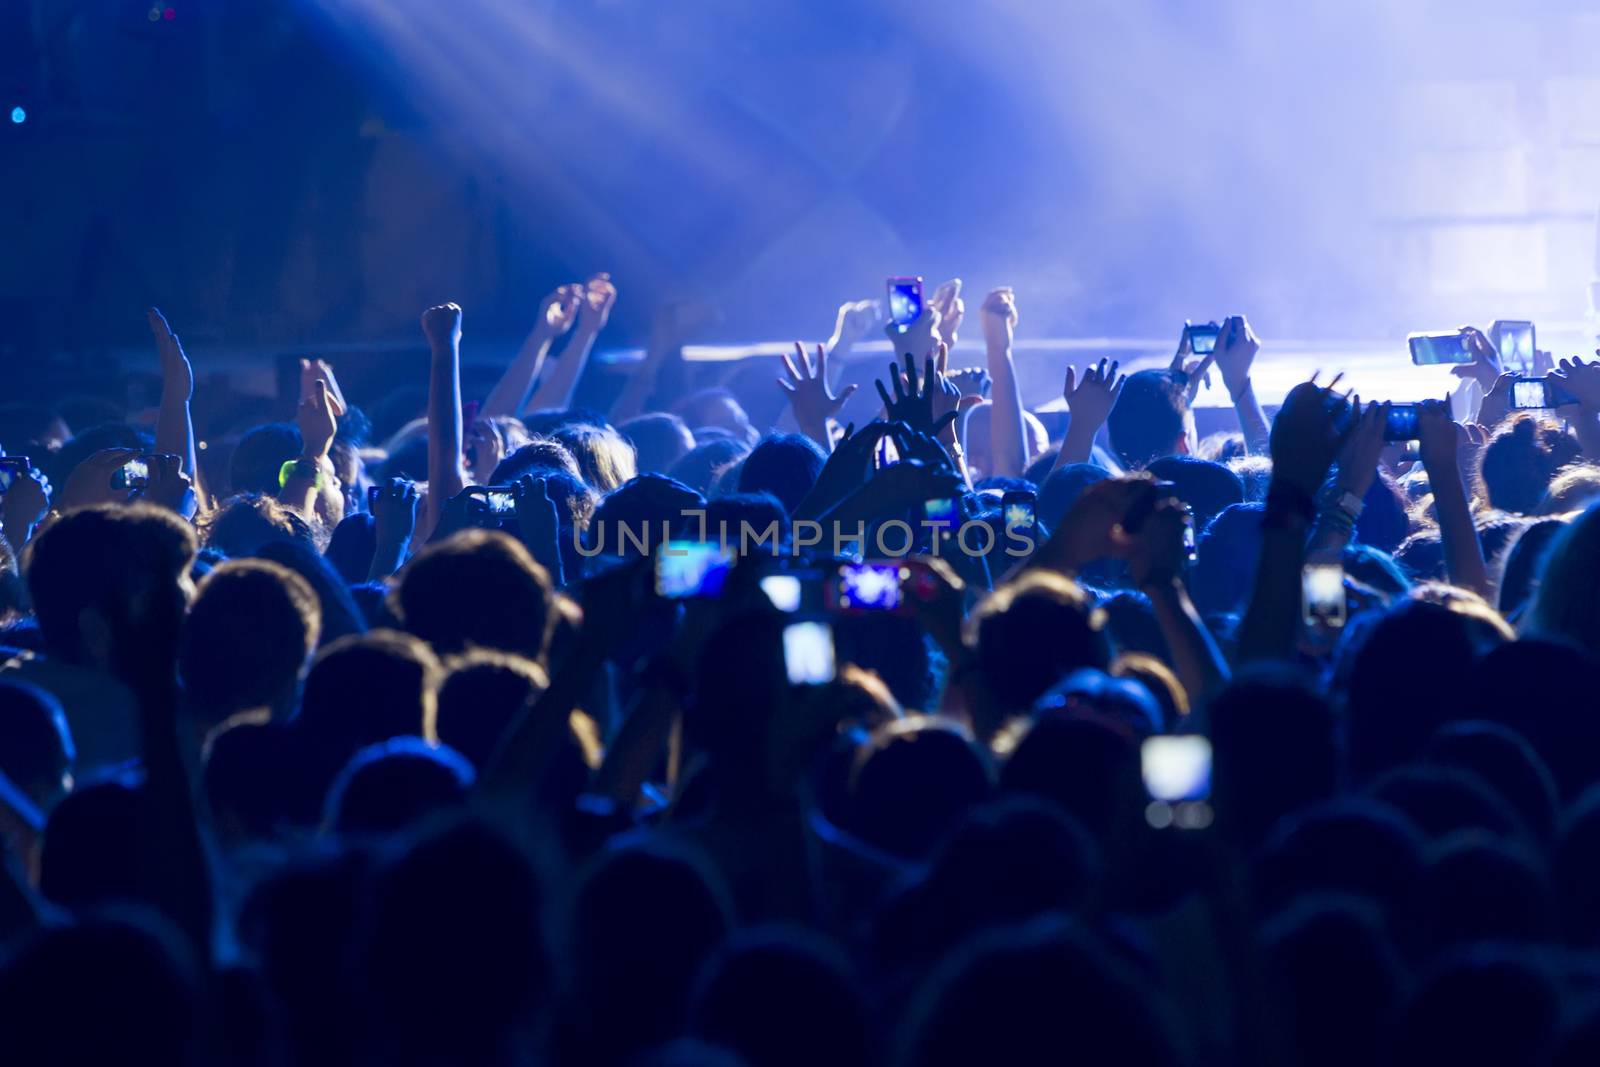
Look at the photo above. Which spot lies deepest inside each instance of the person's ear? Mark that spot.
(1183, 446)
(95, 637)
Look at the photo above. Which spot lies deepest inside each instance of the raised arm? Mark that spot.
(1306, 436)
(312, 484)
(1236, 350)
(174, 425)
(1008, 449)
(1090, 402)
(1463, 552)
(1156, 562)
(556, 386)
(1582, 381)
(557, 313)
(441, 325)
(1342, 504)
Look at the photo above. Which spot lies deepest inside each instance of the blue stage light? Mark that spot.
(19, 115)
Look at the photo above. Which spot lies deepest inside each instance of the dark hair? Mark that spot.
(538, 456)
(243, 525)
(699, 468)
(1522, 456)
(644, 504)
(659, 439)
(1224, 551)
(1148, 419)
(248, 635)
(260, 454)
(912, 781)
(1062, 488)
(340, 616)
(1205, 486)
(104, 559)
(481, 695)
(785, 465)
(478, 587)
(394, 784)
(1031, 632)
(1523, 561)
(36, 751)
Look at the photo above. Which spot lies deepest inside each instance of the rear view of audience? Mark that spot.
(303, 761)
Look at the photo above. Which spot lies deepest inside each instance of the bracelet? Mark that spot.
(301, 469)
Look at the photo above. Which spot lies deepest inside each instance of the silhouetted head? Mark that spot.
(1033, 631)
(1354, 846)
(1522, 456)
(540, 456)
(247, 639)
(1506, 763)
(1486, 1005)
(260, 454)
(1411, 674)
(1276, 751)
(1534, 687)
(340, 616)
(659, 440)
(641, 509)
(1226, 552)
(453, 960)
(1205, 486)
(36, 751)
(605, 458)
(785, 465)
(1564, 606)
(92, 845)
(1478, 888)
(1342, 979)
(93, 990)
(1011, 992)
(784, 997)
(246, 524)
(101, 578)
(912, 781)
(1151, 418)
(701, 466)
(1522, 563)
(478, 588)
(1086, 764)
(395, 784)
(1062, 488)
(1575, 863)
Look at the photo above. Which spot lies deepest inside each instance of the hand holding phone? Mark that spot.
(905, 302)
(1531, 394)
(1443, 347)
(1401, 423)
(808, 654)
(1202, 339)
(1018, 509)
(1176, 769)
(1322, 595)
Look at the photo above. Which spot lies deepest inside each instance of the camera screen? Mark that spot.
(691, 569)
(1202, 339)
(1402, 423)
(905, 301)
(869, 587)
(1528, 393)
(808, 653)
(1430, 349)
(1516, 344)
(1176, 768)
(1019, 515)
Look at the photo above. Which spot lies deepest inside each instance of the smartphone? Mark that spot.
(12, 468)
(134, 474)
(943, 513)
(866, 587)
(1515, 340)
(1531, 393)
(497, 501)
(784, 590)
(1433, 349)
(691, 569)
(1018, 509)
(1322, 595)
(1176, 769)
(372, 496)
(808, 653)
(905, 302)
(1402, 422)
(1202, 339)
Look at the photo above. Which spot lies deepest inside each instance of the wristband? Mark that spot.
(302, 469)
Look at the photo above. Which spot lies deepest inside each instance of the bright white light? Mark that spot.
(19, 115)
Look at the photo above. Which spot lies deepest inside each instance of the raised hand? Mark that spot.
(441, 325)
(24, 506)
(558, 312)
(1237, 345)
(999, 318)
(1095, 527)
(1582, 380)
(1091, 397)
(176, 372)
(1194, 372)
(927, 407)
(809, 396)
(394, 511)
(90, 481)
(855, 320)
(318, 417)
(313, 369)
(1438, 437)
(919, 336)
(168, 486)
(1485, 368)
(1358, 458)
(847, 469)
(599, 297)
(1158, 550)
(539, 524)
(1307, 434)
(952, 309)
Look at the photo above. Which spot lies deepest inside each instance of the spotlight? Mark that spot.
(19, 115)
